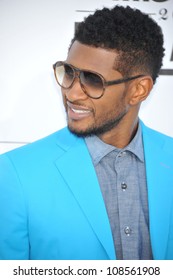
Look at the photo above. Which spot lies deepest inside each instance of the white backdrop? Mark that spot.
(34, 35)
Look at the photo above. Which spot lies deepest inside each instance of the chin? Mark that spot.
(81, 128)
(79, 132)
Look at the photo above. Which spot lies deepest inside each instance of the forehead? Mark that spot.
(92, 58)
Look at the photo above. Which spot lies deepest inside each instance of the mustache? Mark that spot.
(79, 104)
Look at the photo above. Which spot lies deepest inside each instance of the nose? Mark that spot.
(75, 92)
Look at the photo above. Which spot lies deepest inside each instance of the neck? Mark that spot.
(121, 135)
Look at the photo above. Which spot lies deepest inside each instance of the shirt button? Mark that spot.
(123, 186)
(122, 154)
(127, 231)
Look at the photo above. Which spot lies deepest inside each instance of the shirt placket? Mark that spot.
(128, 204)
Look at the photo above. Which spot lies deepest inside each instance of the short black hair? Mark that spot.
(136, 37)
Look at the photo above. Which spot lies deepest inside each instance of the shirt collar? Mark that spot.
(98, 149)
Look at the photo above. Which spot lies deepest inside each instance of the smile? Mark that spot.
(76, 112)
(80, 111)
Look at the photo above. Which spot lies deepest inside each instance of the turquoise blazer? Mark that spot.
(51, 206)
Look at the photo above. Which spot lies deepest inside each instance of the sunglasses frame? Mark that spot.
(105, 83)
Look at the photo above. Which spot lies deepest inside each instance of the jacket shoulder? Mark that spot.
(48, 147)
(157, 138)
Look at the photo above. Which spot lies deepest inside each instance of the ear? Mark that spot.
(140, 90)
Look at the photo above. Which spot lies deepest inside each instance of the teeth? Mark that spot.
(79, 111)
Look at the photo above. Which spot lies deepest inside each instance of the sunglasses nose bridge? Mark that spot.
(76, 74)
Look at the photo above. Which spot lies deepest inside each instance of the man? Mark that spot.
(103, 187)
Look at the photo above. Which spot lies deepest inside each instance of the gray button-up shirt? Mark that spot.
(122, 179)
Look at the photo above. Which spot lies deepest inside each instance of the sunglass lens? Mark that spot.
(92, 83)
(65, 75)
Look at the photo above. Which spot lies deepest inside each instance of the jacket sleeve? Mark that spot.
(14, 243)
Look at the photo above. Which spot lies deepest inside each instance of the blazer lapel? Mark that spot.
(76, 167)
(160, 192)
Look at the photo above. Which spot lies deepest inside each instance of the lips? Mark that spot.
(77, 112)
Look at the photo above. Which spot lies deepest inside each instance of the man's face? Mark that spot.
(87, 116)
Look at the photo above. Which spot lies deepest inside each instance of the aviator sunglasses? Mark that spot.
(92, 83)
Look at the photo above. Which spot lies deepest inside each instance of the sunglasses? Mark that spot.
(92, 83)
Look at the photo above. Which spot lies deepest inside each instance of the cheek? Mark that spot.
(104, 105)
(63, 97)
(110, 107)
